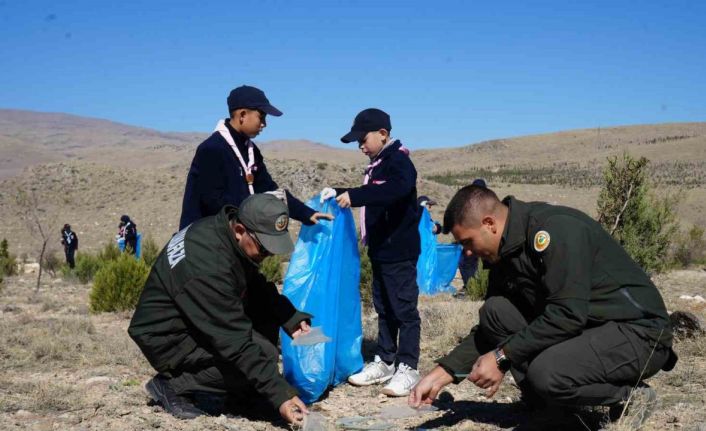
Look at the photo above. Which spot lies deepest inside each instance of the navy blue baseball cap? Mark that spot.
(368, 120)
(251, 98)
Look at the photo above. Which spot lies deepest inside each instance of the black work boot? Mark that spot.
(163, 394)
(637, 408)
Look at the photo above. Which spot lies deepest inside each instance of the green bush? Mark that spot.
(641, 223)
(271, 268)
(8, 262)
(690, 248)
(118, 284)
(87, 265)
(477, 285)
(110, 252)
(366, 278)
(150, 251)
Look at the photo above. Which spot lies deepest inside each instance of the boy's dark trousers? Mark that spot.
(395, 294)
(598, 367)
(69, 252)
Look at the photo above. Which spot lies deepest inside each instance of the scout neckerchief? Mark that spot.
(67, 236)
(247, 167)
(366, 179)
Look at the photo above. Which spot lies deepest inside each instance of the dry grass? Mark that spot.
(61, 368)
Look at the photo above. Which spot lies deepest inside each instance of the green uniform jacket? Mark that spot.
(579, 277)
(197, 293)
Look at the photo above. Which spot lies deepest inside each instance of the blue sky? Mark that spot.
(449, 73)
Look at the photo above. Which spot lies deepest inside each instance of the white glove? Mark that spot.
(327, 193)
(279, 194)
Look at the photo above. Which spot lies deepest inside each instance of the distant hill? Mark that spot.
(88, 172)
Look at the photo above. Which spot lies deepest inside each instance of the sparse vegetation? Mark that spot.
(150, 251)
(271, 268)
(52, 263)
(477, 285)
(641, 223)
(118, 284)
(690, 248)
(8, 262)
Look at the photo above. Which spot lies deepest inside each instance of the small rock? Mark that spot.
(686, 324)
(23, 414)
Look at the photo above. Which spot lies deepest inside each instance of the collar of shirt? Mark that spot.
(240, 139)
(515, 231)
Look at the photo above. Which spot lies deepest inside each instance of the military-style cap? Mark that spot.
(367, 120)
(251, 98)
(267, 218)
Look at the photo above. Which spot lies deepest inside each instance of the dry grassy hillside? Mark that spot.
(88, 172)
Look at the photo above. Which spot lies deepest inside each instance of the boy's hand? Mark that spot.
(318, 216)
(293, 411)
(344, 200)
(327, 193)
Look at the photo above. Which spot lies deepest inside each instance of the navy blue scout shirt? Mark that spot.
(390, 201)
(216, 179)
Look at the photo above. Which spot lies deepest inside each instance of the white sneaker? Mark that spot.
(402, 382)
(373, 372)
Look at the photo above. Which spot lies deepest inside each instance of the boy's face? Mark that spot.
(251, 121)
(373, 143)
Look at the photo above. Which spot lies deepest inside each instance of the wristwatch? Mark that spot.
(501, 360)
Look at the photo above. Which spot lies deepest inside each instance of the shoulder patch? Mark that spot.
(541, 240)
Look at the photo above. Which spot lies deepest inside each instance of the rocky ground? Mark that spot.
(62, 368)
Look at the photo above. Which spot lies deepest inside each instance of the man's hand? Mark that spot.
(344, 200)
(303, 328)
(428, 388)
(485, 374)
(293, 411)
(318, 216)
(327, 193)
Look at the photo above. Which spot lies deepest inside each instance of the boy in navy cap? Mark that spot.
(388, 224)
(228, 166)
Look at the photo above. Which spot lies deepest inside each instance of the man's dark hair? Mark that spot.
(468, 206)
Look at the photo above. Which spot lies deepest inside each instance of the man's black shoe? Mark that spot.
(162, 393)
(637, 408)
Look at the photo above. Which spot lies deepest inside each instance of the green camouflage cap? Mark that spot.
(267, 218)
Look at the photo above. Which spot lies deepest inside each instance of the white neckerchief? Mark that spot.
(67, 236)
(368, 174)
(247, 167)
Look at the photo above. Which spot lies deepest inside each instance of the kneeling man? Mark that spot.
(208, 321)
(567, 310)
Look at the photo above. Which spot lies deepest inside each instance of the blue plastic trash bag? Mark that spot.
(138, 245)
(322, 279)
(447, 256)
(437, 263)
(427, 257)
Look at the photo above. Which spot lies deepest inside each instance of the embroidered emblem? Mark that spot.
(541, 240)
(281, 223)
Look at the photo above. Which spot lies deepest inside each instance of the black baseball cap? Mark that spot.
(267, 217)
(251, 98)
(368, 120)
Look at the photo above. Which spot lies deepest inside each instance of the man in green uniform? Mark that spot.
(567, 310)
(208, 321)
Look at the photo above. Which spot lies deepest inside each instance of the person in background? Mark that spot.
(69, 240)
(128, 232)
